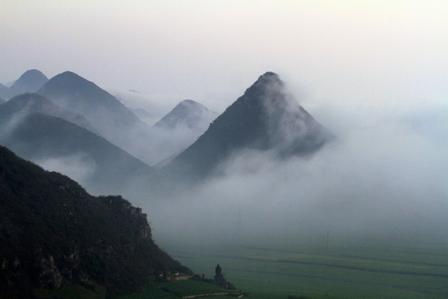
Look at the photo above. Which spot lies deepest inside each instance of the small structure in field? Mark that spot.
(221, 280)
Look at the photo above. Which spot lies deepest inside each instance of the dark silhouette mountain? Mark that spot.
(58, 144)
(54, 235)
(30, 81)
(103, 111)
(264, 118)
(29, 103)
(188, 114)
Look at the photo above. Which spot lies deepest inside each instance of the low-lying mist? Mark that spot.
(383, 177)
(80, 167)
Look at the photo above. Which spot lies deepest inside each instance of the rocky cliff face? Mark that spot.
(53, 234)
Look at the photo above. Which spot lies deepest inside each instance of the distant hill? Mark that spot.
(5, 93)
(30, 81)
(55, 236)
(145, 106)
(264, 118)
(188, 114)
(178, 129)
(64, 146)
(29, 103)
(104, 112)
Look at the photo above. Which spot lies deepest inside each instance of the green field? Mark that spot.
(355, 271)
(153, 290)
(179, 289)
(301, 271)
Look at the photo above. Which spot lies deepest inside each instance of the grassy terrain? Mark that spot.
(298, 271)
(368, 271)
(153, 290)
(178, 289)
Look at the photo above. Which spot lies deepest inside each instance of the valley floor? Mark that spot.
(343, 271)
(185, 289)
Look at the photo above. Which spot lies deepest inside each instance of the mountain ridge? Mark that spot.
(107, 115)
(47, 140)
(265, 117)
(29, 103)
(30, 81)
(85, 92)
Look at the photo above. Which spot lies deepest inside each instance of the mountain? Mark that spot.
(60, 145)
(188, 114)
(56, 238)
(29, 103)
(178, 129)
(264, 118)
(103, 111)
(30, 81)
(4, 92)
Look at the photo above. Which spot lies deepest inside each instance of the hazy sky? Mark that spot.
(365, 52)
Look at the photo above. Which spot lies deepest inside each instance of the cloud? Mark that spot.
(382, 178)
(80, 167)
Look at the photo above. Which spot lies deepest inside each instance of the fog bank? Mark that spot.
(384, 176)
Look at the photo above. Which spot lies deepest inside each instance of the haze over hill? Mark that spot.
(4, 92)
(188, 114)
(28, 103)
(325, 178)
(104, 111)
(179, 128)
(34, 128)
(149, 108)
(30, 81)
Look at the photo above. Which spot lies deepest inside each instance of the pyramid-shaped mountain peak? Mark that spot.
(266, 117)
(268, 79)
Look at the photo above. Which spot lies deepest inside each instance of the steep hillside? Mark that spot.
(54, 235)
(264, 118)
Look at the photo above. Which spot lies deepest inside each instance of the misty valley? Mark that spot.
(197, 149)
(260, 201)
